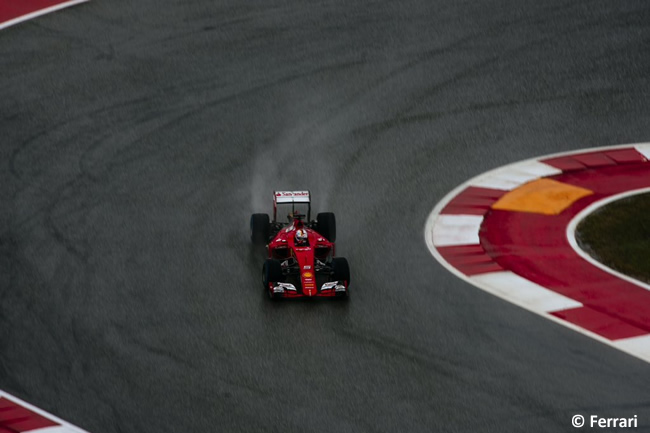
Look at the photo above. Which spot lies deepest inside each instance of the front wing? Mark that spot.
(328, 290)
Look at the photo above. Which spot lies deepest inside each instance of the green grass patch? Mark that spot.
(618, 235)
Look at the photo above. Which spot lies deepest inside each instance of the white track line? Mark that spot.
(507, 284)
(637, 346)
(511, 176)
(62, 427)
(573, 225)
(55, 429)
(38, 13)
(643, 149)
(457, 230)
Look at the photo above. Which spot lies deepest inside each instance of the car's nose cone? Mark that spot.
(308, 283)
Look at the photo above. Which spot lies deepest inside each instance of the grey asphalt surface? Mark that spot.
(138, 137)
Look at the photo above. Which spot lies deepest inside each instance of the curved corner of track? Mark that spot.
(511, 233)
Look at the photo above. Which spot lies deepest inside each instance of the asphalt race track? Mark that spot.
(138, 137)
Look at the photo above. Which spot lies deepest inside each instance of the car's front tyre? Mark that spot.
(271, 273)
(340, 270)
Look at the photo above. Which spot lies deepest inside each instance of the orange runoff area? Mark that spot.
(544, 196)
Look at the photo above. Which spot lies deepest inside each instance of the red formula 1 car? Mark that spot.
(301, 260)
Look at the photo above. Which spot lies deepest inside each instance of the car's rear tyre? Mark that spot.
(326, 225)
(260, 228)
(271, 273)
(340, 269)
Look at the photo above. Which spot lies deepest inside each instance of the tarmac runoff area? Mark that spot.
(511, 232)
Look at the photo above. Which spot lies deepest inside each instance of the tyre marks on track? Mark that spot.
(17, 416)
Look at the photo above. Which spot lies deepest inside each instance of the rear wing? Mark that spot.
(291, 197)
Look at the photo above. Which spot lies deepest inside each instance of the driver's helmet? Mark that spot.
(301, 237)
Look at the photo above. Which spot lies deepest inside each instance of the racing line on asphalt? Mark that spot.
(511, 232)
(15, 414)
